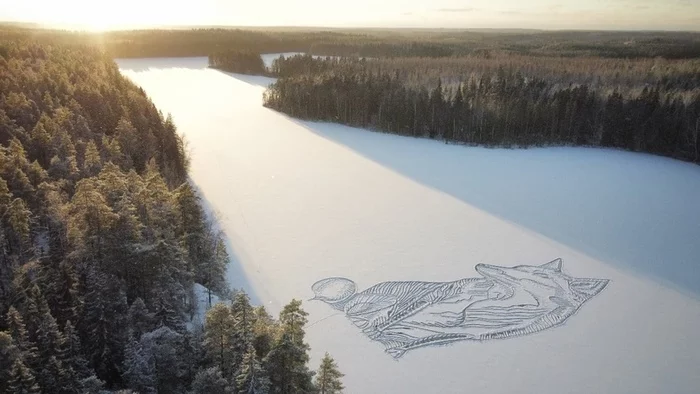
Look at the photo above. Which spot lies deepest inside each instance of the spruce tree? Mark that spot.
(252, 378)
(265, 329)
(196, 239)
(219, 338)
(68, 301)
(8, 354)
(328, 377)
(22, 380)
(244, 318)
(89, 222)
(16, 328)
(287, 361)
(286, 365)
(92, 162)
(72, 352)
(141, 320)
(293, 318)
(50, 340)
(138, 370)
(104, 325)
(165, 348)
(210, 381)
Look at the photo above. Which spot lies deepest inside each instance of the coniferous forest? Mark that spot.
(241, 62)
(437, 43)
(102, 240)
(645, 105)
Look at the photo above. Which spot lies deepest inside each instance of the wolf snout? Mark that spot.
(486, 268)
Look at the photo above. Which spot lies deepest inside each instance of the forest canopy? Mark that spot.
(103, 239)
(242, 62)
(646, 105)
(374, 42)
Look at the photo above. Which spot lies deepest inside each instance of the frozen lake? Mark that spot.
(302, 201)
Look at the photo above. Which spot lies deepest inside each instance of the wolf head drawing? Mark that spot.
(545, 283)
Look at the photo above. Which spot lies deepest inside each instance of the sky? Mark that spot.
(532, 14)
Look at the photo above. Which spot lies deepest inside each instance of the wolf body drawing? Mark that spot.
(505, 302)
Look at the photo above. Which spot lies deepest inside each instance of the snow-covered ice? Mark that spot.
(302, 201)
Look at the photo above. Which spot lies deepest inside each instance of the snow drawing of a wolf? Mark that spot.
(505, 302)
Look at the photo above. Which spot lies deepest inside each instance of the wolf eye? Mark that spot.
(541, 275)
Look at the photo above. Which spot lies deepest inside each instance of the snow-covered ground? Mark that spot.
(302, 201)
(202, 305)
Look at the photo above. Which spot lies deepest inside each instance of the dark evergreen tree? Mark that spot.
(138, 371)
(28, 352)
(252, 378)
(72, 352)
(287, 361)
(328, 377)
(286, 364)
(219, 338)
(22, 380)
(8, 354)
(210, 381)
(141, 320)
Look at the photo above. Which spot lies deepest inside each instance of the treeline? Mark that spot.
(249, 352)
(242, 62)
(601, 74)
(102, 239)
(457, 43)
(374, 43)
(502, 106)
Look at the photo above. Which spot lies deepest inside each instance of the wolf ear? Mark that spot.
(553, 265)
(588, 287)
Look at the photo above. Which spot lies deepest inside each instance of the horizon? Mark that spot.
(544, 15)
(83, 28)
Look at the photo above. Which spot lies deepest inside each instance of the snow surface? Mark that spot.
(301, 201)
(202, 305)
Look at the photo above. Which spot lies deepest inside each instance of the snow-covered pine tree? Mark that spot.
(165, 348)
(8, 354)
(211, 381)
(252, 378)
(141, 320)
(92, 162)
(286, 365)
(206, 250)
(138, 370)
(293, 319)
(53, 373)
(244, 318)
(50, 340)
(265, 329)
(103, 328)
(22, 380)
(219, 337)
(168, 316)
(72, 353)
(28, 352)
(328, 377)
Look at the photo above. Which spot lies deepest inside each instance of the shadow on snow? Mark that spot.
(236, 276)
(636, 211)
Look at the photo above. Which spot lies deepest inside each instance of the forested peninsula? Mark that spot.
(645, 105)
(104, 243)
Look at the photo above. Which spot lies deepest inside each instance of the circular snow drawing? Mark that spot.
(504, 302)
